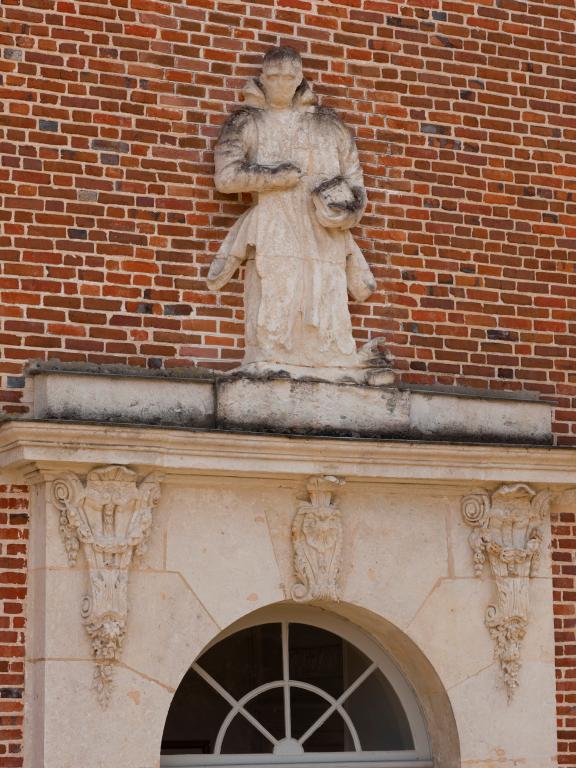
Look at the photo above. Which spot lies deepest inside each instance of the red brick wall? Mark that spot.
(13, 540)
(564, 583)
(465, 117)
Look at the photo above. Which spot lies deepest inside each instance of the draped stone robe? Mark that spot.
(298, 270)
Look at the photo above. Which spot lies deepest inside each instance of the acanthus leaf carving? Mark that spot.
(317, 542)
(109, 517)
(507, 533)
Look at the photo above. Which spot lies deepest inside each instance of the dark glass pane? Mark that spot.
(242, 738)
(306, 709)
(323, 659)
(252, 658)
(332, 736)
(378, 716)
(268, 709)
(194, 718)
(246, 660)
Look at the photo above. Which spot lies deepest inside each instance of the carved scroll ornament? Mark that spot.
(507, 533)
(317, 542)
(109, 517)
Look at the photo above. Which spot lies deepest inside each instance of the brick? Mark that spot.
(109, 218)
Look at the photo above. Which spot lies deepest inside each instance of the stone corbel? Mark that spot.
(507, 534)
(317, 542)
(109, 517)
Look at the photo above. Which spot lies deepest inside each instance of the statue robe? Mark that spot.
(298, 272)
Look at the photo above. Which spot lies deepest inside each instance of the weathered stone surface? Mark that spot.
(228, 550)
(245, 562)
(387, 570)
(108, 518)
(144, 400)
(313, 407)
(300, 163)
(284, 405)
(507, 534)
(493, 732)
(435, 415)
(317, 542)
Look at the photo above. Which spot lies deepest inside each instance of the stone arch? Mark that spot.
(405, 654)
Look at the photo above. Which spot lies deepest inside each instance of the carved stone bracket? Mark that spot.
(317, 542)
(507, 533)
(109, 517)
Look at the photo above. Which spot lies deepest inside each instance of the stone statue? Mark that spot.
(300, 163)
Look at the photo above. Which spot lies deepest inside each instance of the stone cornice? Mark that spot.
(30, 447)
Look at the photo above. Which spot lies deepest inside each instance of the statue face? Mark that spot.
(280, 80)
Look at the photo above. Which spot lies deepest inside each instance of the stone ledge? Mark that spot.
(285, 406)
(30, 448)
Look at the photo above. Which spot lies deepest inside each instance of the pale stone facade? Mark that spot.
(222, 546)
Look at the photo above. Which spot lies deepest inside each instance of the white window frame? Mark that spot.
(419, 757)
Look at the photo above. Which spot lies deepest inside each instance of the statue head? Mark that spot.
(281, 76)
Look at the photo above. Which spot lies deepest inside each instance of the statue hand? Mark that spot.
(285, 175)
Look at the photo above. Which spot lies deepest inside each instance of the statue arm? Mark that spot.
(352, 173)
(234, 172)
(347, 212)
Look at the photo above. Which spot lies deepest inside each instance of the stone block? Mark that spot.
(439, 416)
(312, 407)
(123, 399)
(280, 404)
(356, 410)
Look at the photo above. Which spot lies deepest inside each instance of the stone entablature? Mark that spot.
(221, 546)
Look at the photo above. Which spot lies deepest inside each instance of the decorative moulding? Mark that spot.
(507, 534)
(109, 517)
(317, 542)
(28, 446)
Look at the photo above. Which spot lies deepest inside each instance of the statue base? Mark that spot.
(374, 376)
(279, 403)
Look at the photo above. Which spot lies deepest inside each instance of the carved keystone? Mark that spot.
(317, 542)
(109, 517)
(507, 532)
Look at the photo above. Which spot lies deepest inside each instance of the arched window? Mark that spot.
(301, 687)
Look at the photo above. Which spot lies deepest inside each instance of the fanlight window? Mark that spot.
(288, 692)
